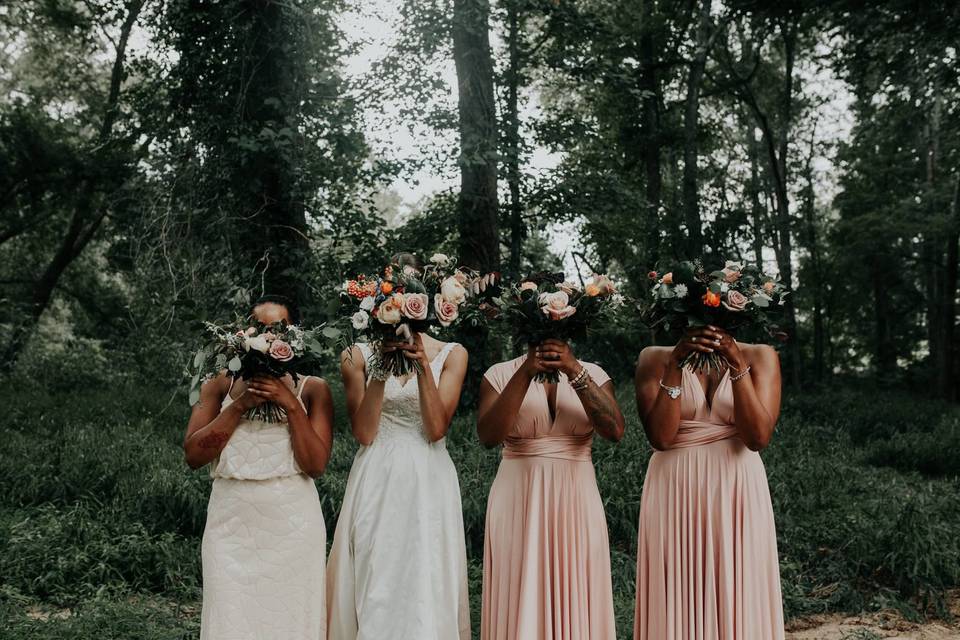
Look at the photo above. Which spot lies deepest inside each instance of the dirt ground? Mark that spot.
(874, 626)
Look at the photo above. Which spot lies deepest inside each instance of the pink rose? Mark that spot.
(528, 286)
(735, 301)
(280, 350)
(415, 306)
(447, 311)
(768, 286)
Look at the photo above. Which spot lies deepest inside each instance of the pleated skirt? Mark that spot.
(707, 565)
(546, 561)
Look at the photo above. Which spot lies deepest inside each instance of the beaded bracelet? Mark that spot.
(741, 374)
(581, 380)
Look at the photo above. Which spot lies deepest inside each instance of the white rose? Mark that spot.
(440, 259)
(367, 304)
(453, 290)
(257, 343)
(360, 320)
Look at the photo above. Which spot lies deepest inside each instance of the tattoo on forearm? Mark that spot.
(598, 406)
(214, 440)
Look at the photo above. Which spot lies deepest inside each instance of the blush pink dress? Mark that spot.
(707, 550)
(546, 559)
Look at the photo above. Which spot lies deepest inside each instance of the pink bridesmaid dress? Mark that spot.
(707, 550)
(546, 559)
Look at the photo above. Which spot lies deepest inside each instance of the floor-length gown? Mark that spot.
(546, 560)
(264, 542)
(707, 550)
(398, 566)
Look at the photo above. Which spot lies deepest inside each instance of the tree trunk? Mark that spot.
(950, 292)
(651, 137)
(87, 216)
(813, 248)
(691, 129)
(512, 126)
(279, 247)
(757, 210)
(477, 204)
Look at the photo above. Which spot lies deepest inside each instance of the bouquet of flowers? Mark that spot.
(735, 297)
(546, 306)
(247, 349)
(400, 301)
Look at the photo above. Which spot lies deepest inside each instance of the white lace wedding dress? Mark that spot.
(264, 542)
(398, 566)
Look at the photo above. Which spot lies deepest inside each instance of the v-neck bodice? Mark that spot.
(534, 420)
(703, 421)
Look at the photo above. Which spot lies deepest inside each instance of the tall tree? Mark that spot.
(478, 224)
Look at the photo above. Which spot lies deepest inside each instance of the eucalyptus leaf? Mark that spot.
(234, 364)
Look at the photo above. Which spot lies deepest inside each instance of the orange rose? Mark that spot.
(592, 290)
(711, 299)
(386, 288)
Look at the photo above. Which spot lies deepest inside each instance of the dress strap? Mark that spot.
(302, 384)
(441, 356)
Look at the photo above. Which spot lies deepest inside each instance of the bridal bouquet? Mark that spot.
(400, 301)
(247, 349)
(546, 306)
(735, 297)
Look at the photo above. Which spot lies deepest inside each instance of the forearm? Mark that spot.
(662, 421)
(603, 412)
(205, 444)
(436, 422)
(365, 421)
(752, 419)
(309, 449)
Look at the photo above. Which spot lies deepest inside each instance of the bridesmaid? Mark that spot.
(398, 565)
(264, 542)
(546, 560)
(707, 549)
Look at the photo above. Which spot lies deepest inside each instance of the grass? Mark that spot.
(100, 520)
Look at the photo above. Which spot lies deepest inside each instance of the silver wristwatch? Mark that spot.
(673, 392)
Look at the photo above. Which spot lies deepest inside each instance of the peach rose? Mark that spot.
(606, 285)
(768, 286)
(390, 309)
(731, 271)
(528, 286)
(668, 278)
(735, 301)
(446, 311)
(556, 305)
(415, 306)
(280, 350)
(592, 290)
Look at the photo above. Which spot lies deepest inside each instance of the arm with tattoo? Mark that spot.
(209, 428)
(602, 408)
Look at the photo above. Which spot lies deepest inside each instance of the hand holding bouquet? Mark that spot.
(398, 302)
(546, 307)
(734, 297)
(252, 349)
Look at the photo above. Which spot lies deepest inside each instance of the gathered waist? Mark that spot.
(696, 433)
(565, 447)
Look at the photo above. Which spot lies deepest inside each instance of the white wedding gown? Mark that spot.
(398, 566)
(264, 543)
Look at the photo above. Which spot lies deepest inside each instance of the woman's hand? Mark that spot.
(273, 390)
(534, 364)
(556, 355)
(729, 349)
(248, 400)
(706, 339)
(412, 350)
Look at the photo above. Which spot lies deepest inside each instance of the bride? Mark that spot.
(398, 566)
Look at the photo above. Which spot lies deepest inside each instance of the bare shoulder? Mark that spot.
(352, 357)
(653, 356)
(762, 356)
(316, 384)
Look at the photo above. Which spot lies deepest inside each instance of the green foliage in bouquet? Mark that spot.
(247, 348)
(736, 298)
(546, 306)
